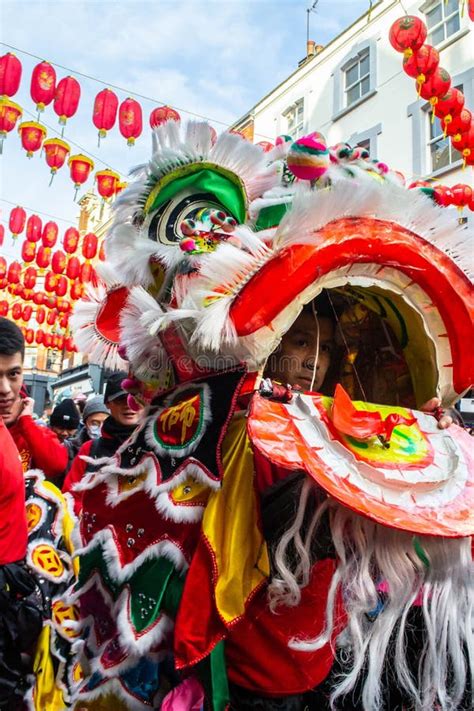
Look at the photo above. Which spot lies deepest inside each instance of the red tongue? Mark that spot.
(361, 424)
(350, 421)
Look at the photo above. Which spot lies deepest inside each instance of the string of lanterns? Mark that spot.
(65, 96)
(433, 83)
(48, 282)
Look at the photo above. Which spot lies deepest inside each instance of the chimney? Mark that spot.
(310, 48)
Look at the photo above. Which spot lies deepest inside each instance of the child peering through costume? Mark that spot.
(298, 523)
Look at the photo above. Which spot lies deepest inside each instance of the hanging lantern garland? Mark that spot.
(56, 151)
(80, 169)
(43, 85)
(17, 221)
(421, 61)
(162, 114)
(107, 182)
(32, 135)
(104, 113)
(130, 120)
(34, 228)
(10, 74)
(9, 115)
(66, 100)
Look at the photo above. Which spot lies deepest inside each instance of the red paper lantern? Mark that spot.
(13, 273)
(50, 301)
(66, 100)
(38, 298)
(449, 105)
(29, 278)
(71, 240)
(43, 85)
(17, 221)
(86, 273)
(39, 336)
(162, 114)
(64, 321)
(89, 246)
(49, 235)
(10, 74)
(61, 285)
(104, 114)
(34, 228)
(73, 268)
(459, 124)
(130, 120)
(407, 34)
(9, 115)
(40, 314)
(462, 195)
(43, 257)
(69, 344)
(28, 251)
(3, 267)
(464, 142)
(2, 235)
(32, 135)
(27, 312)
(51, 317)
(107, 181)
(3, 283)
(16, 311)
(50, 281)
(422, 63)
(58, 262)
(29, 336)
(436, 86)
(76, 290)
(47, 340)
(80, 169)
(56, 152)
(102, 255)
(60, 343)
(4, 307)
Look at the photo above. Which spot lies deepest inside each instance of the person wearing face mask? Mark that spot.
(94, 413)
(114, 430)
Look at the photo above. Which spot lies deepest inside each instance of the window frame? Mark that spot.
(432, 5)
(356, 62)
(294, 109)
(340, 107)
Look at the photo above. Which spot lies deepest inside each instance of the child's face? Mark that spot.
(293, 362)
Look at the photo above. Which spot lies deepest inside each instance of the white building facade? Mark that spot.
(355, 90)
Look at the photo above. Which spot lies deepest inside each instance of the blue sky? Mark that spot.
(213, 57)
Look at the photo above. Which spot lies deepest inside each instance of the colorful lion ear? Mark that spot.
(190, 172)
(96, 321)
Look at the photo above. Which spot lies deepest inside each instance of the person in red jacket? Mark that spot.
(20, 617)
(115, 430)
(39, 448)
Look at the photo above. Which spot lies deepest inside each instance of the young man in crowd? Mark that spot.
(64, 419)
(39, 448)
(115, 430)
(20, 618)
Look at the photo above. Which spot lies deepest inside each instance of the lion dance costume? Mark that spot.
(246, 544)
